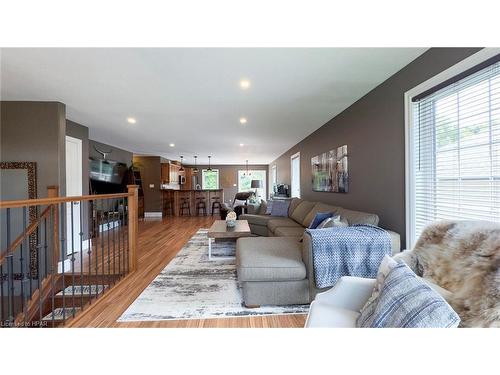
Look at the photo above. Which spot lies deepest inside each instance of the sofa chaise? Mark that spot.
(276, 268)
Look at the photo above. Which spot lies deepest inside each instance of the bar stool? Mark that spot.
(201, 206)
(185, 206)
(216, 205)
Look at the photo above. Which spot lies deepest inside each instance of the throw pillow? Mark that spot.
(262, 208)
(319, 218)
(269, 207)
(334, 221)
(280, 207)
(386, 265)
(405, 301)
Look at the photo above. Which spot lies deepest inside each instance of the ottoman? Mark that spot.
(271, 271)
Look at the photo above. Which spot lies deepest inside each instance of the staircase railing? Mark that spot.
(65, 253)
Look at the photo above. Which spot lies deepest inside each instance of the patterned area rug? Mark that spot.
(192, 287)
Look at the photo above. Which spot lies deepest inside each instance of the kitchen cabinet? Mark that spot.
(169, 173)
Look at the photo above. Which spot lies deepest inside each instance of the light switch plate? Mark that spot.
(152, 186)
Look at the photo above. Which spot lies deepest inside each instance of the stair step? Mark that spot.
(58, 313)
(83, 290)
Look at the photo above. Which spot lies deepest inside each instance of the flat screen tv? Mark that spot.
(107, 171)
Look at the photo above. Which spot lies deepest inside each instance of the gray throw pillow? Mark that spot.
(262, 208)
(269, 207)
(405, 301)
(280, 207)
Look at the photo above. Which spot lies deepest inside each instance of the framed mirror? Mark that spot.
(18, 182)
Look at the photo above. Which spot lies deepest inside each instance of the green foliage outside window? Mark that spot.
(210, 180)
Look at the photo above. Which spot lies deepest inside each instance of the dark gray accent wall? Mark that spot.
(35, 131)
(150, 168)
(373, 130)
(76, 130)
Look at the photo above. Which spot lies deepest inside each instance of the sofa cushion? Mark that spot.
(301, 211)
(281, 222)
(357, 217)
(269, 259)
(289, 231)
(318, 207)
(256, 219)
(294, 202)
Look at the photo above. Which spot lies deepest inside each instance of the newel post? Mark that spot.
(133, 224)
(53, 192)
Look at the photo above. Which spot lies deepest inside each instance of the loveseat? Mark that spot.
(276, 268)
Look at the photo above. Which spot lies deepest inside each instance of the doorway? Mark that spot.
(295, 175)
(73, 188)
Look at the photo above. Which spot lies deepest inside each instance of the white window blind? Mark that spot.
(455, 145)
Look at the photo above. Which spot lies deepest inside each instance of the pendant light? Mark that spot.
(181, 169)
(209, 169)
(246, 173)
(195, 169)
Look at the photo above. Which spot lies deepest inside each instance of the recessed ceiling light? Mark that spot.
(131, 120)
(172, 144)
(244, 84)
(243, 120)
(241, 145)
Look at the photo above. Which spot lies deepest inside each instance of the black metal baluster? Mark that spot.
(120, 229)
(101, 230)
(40, 303)
(115, 223)
(38, 265)
(127, 240)
(72, 259)
(81, 253)
(45, 247)
(2, 307)
(53, 267)
(92, 240)
(63, 258)
(21, 261)
(10, 272)
(108, 207)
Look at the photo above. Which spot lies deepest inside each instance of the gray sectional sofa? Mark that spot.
(276, 268)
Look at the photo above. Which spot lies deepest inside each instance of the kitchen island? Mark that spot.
(172, 199)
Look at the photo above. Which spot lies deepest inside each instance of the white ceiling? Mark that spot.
(191, 97)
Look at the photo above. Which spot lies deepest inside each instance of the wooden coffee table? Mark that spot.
(220, 230)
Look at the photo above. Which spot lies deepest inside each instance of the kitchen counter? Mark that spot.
(172, 200)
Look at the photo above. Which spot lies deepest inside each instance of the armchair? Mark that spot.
(339, 306)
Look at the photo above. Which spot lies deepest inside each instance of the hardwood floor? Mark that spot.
(159, 242)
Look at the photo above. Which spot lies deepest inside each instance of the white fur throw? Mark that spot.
(464, 258)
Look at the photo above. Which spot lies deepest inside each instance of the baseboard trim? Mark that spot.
(153, 214)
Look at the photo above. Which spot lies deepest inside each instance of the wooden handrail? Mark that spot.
(31, 228)
(49, 201)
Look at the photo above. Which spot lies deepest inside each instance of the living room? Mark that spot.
(244, 186)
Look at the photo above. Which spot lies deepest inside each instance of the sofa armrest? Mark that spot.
(349, 293)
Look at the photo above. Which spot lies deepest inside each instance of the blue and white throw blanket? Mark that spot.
(356, 250)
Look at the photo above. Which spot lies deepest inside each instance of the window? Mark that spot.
(210, 179)
(245, 181)
(455, 152)
(295, 172)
